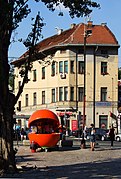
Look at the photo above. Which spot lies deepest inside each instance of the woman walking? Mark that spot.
(92, 137)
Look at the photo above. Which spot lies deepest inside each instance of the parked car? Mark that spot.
(101, 134)
(107, 134)
(76, 133)
(118, 137)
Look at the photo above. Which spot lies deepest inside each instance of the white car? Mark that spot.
(118, 137)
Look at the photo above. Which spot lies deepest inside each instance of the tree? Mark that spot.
(12, 12)
(119, 73)
(11, 77)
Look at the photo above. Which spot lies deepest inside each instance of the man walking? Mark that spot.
(112, 135)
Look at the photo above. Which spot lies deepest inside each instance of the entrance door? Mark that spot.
(103, 121)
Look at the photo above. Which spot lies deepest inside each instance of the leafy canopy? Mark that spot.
(76, 7)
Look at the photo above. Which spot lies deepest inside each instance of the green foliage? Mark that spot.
(35, 32)
(11, 77)
(13, 12)
(119, 74)
(20, 11)
(76, 7)
(30, 44)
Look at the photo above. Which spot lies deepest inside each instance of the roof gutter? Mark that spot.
(43, 52)
(66, 45)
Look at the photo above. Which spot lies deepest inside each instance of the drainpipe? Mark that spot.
(94, 84)
(76, 82)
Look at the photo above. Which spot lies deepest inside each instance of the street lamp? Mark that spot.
(87, 33)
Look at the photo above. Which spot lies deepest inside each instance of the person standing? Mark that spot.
(23, 134)
(92, 137)
(112, 134)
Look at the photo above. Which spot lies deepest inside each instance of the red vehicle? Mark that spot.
(44, 126)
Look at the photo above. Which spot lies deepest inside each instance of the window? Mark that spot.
(26, 100)
(65, 93)
(19, 84)
(72, 66)
(65, 70)
(56, 68)
(34, 99)
(43, 97)
(81, 67)
(103, 68)
(19, 106)
(56, 94)
(65, 66)
(72, 94)
(104, 94)
(60, 93)
(53, 95)
(80, 94)
(34, 75)
(43, 72)
(61, 67)
(53, 69)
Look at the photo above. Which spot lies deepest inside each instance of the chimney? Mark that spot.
(89, 23)
(72, 25)
(59, 31)
(103, 24)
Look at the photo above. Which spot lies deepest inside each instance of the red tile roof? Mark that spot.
(101, 35)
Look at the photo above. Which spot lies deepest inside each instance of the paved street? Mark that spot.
(70, 163)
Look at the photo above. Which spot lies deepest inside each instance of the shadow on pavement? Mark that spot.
(96, 170)
(108, 169)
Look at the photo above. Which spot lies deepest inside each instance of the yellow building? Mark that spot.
(84, 53)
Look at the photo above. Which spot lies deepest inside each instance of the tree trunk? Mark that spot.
(8, 154)
(6, 108)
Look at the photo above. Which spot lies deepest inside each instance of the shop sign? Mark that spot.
(100, 104)
(64, 113)
(74, 125)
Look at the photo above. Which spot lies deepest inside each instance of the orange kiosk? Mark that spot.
(44, 129)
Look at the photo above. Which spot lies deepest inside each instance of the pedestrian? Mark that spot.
(23, 134)
(112, 134)
(92, 137)
(83, 146)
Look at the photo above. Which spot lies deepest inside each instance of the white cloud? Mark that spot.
(60, 7)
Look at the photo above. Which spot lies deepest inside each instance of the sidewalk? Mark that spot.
(69, 163)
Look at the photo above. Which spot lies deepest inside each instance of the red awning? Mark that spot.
(64, 113)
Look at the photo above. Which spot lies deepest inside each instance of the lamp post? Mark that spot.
(84, 97)
(87, 33)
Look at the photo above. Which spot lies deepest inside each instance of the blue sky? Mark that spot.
(110, 13)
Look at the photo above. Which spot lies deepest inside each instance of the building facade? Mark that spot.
(76, 76)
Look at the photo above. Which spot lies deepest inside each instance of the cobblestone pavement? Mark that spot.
(69, 163)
